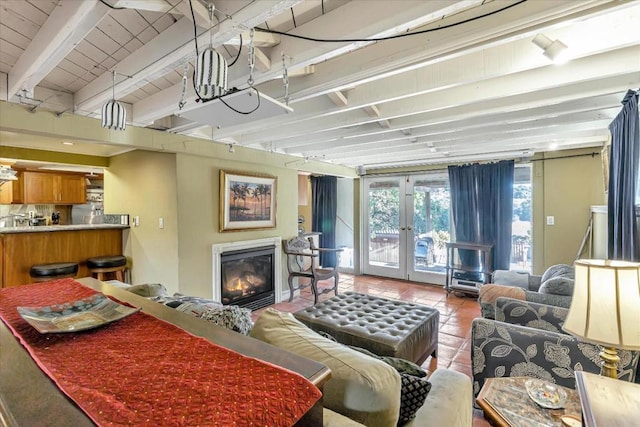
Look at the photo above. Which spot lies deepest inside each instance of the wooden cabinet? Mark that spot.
(39, 187)
(6, 192)
(73, 189)
(46, 188)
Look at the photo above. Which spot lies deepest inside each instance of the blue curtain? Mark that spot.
(623, 179)
(495, 209)
(324, 196)
(482, 206)
(464, 206)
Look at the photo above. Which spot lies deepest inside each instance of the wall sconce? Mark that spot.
(555, 50)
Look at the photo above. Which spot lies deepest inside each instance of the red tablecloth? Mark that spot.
(143, 371)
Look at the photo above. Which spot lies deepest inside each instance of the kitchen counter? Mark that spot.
(23, 247)
(73, 227)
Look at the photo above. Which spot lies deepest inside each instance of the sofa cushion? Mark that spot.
(448, 403)
(557, 286)
(361, 388)
(511, 278)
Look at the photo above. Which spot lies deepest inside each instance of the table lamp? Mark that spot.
(605, 308)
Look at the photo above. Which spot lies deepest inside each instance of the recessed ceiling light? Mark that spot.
(67, 143)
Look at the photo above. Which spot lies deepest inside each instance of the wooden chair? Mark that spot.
(303, 261)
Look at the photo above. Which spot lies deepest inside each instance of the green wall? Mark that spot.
(565, 185)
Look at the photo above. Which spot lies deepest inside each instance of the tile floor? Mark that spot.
(456, 314)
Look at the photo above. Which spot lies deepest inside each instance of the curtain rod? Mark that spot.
(592, 154)
(441, 169)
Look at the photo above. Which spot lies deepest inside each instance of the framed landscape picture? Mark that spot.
(247, 201)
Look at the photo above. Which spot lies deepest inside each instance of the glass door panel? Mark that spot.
(429, 204)
(407, 226)
(383, 238)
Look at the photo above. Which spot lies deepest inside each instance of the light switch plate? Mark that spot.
(160, 222)
(136, 221)
(551, 220)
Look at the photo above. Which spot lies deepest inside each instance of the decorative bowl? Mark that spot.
(546, 394)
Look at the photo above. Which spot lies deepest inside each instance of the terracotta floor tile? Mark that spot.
(446, 352)
(479, 420)
(463, 356)
(456, 330)
(450, 340)
(456, 315)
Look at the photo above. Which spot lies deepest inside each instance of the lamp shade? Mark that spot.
(605, 308)
(211, 74)
(114, 116)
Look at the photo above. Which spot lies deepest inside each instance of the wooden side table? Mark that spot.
(608, 401)
(506, 403)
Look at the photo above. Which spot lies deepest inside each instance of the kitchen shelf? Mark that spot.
(468, 278)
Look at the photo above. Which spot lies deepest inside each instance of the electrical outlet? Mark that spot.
(161, 222)
(551, 220)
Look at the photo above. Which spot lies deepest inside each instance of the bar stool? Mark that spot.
(100, 267)
(57, 270)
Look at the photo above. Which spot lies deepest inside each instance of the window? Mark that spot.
(521, 239)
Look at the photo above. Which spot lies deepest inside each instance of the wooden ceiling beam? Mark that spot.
(67, 25)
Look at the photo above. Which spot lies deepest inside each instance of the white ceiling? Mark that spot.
(474, 88)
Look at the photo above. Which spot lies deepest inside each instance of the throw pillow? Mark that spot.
(558, 270)
(413, 386)
(412, 396)
(232, 317)
(401, 365)
(148, 290)
(557, 286)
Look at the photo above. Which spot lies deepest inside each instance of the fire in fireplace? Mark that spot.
(247, 277)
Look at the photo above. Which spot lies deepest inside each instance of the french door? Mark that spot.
(399, 238)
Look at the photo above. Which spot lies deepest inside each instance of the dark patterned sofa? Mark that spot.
(553, 287)
(527, 339)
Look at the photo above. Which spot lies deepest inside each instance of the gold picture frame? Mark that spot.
(247, 201)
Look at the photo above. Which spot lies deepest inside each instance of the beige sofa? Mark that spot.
(363, 390)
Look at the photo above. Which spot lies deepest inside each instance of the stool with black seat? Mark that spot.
(52, 271)
(101, 267)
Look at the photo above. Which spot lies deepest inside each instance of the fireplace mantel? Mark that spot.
(219, 248)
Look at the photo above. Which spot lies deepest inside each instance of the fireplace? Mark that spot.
(228, 264)
(246, 277)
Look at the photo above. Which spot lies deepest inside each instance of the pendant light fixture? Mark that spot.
(211, 69)
(114, 116)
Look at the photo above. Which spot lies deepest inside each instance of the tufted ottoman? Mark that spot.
(383, 326)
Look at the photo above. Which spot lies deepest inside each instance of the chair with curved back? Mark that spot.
(303, 261)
